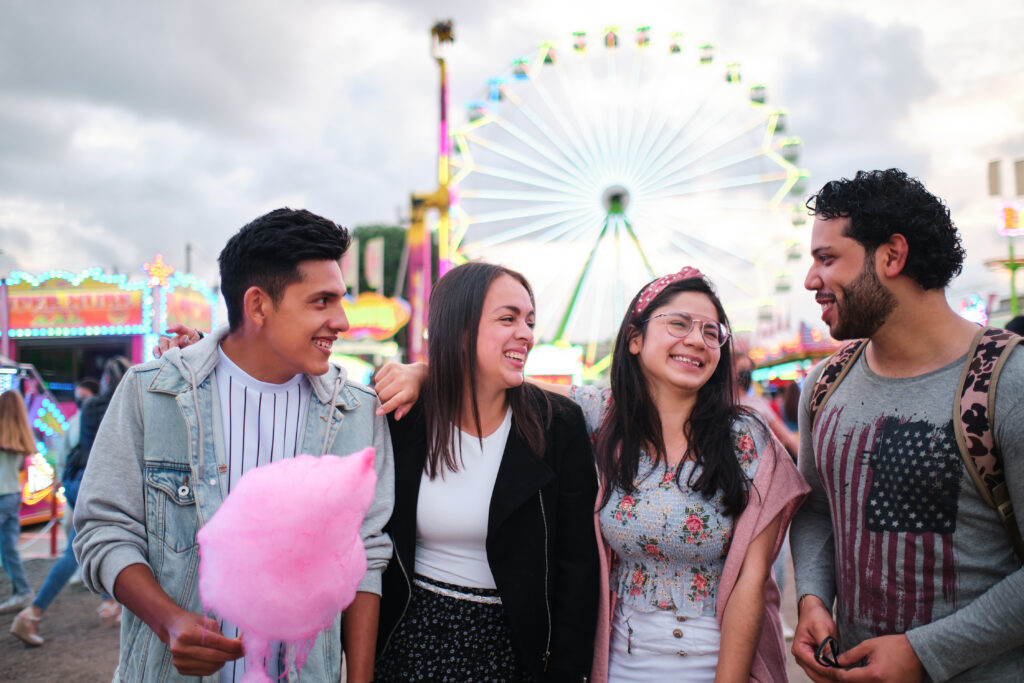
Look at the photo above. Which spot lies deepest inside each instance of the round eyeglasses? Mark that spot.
(679, 325)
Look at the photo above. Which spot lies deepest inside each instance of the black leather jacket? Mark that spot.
(541, 543)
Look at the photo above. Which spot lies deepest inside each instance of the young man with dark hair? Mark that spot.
(181, 431)
(922, 573)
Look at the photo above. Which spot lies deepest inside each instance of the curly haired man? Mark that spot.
(895, 535)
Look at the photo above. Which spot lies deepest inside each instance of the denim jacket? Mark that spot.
(157, 473)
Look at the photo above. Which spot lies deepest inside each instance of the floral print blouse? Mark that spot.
(669, 542)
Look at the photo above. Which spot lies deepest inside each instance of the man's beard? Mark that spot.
(864, 306)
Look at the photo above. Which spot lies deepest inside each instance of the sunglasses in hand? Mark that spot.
(827, 655)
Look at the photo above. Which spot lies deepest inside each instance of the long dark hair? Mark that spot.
(456, 303)
(632, 423)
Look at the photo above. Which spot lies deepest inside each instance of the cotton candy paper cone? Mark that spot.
(282, 556)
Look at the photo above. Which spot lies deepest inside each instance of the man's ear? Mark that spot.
(891, 256)
(256, 304)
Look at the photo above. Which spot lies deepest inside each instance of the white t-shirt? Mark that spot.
(453, 509)
(262, 423)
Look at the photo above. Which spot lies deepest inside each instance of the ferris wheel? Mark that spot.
(596, 165)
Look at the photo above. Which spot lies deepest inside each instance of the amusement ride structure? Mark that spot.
(597, 164)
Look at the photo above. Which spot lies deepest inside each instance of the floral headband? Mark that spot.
(658, 286)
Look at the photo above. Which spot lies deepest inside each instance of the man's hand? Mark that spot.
(196, 643)
(889, 658)
(182, 337)
(814, 625)
(398, 387)
(197, 646)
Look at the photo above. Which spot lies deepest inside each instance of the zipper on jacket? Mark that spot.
(408, 599)
(547, 601)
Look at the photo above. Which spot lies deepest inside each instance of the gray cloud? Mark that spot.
(850, 91)
(206, 63)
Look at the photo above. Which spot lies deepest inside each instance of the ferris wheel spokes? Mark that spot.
(677, 145)
(518, 232)
(597, 155)
(567, 149)
(526, 179)
(533, 164)
(657, 141)
(564, 161)
(726, 184)
(697, 154)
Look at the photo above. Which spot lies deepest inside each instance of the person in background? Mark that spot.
(16, 444)
(65, 443)
(62, 447)
(26, 624)
(791, 407)
(761, 405)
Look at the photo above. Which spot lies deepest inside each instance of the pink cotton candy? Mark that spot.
(282, 556)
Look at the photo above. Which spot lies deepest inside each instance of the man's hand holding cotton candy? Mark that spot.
(197, 646)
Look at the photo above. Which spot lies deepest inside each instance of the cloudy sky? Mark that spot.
(130, 128)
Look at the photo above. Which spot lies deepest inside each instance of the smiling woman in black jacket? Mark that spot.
(495, 573)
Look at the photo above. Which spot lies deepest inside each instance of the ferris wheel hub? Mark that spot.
(615, 199)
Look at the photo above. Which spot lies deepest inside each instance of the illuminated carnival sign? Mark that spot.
(1009, 219)
(60, 304)
(49, 421)
(373, 315)
(93, 303)
(807, 341)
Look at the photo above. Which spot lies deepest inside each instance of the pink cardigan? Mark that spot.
(778, 488)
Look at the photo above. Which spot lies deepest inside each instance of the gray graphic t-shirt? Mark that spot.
(895, 529)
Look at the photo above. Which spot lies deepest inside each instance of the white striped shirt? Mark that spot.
(263, 423)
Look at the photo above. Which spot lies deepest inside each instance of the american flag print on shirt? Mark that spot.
(893, 490)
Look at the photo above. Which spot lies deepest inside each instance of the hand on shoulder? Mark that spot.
(181, 336)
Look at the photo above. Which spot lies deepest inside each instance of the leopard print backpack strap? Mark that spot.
(836, 367)
(973, 414)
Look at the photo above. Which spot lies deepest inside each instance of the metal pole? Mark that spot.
(1013, 265)
(443, 239)
(5, 320)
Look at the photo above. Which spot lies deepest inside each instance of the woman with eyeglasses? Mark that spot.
(695, 497)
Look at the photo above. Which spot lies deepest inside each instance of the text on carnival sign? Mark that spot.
(91, 303)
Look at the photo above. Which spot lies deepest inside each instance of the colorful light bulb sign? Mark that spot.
(376, 316)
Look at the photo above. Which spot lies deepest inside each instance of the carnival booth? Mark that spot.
(790, 359)
(69, 324)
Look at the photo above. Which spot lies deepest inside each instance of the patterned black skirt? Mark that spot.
(450, 633)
